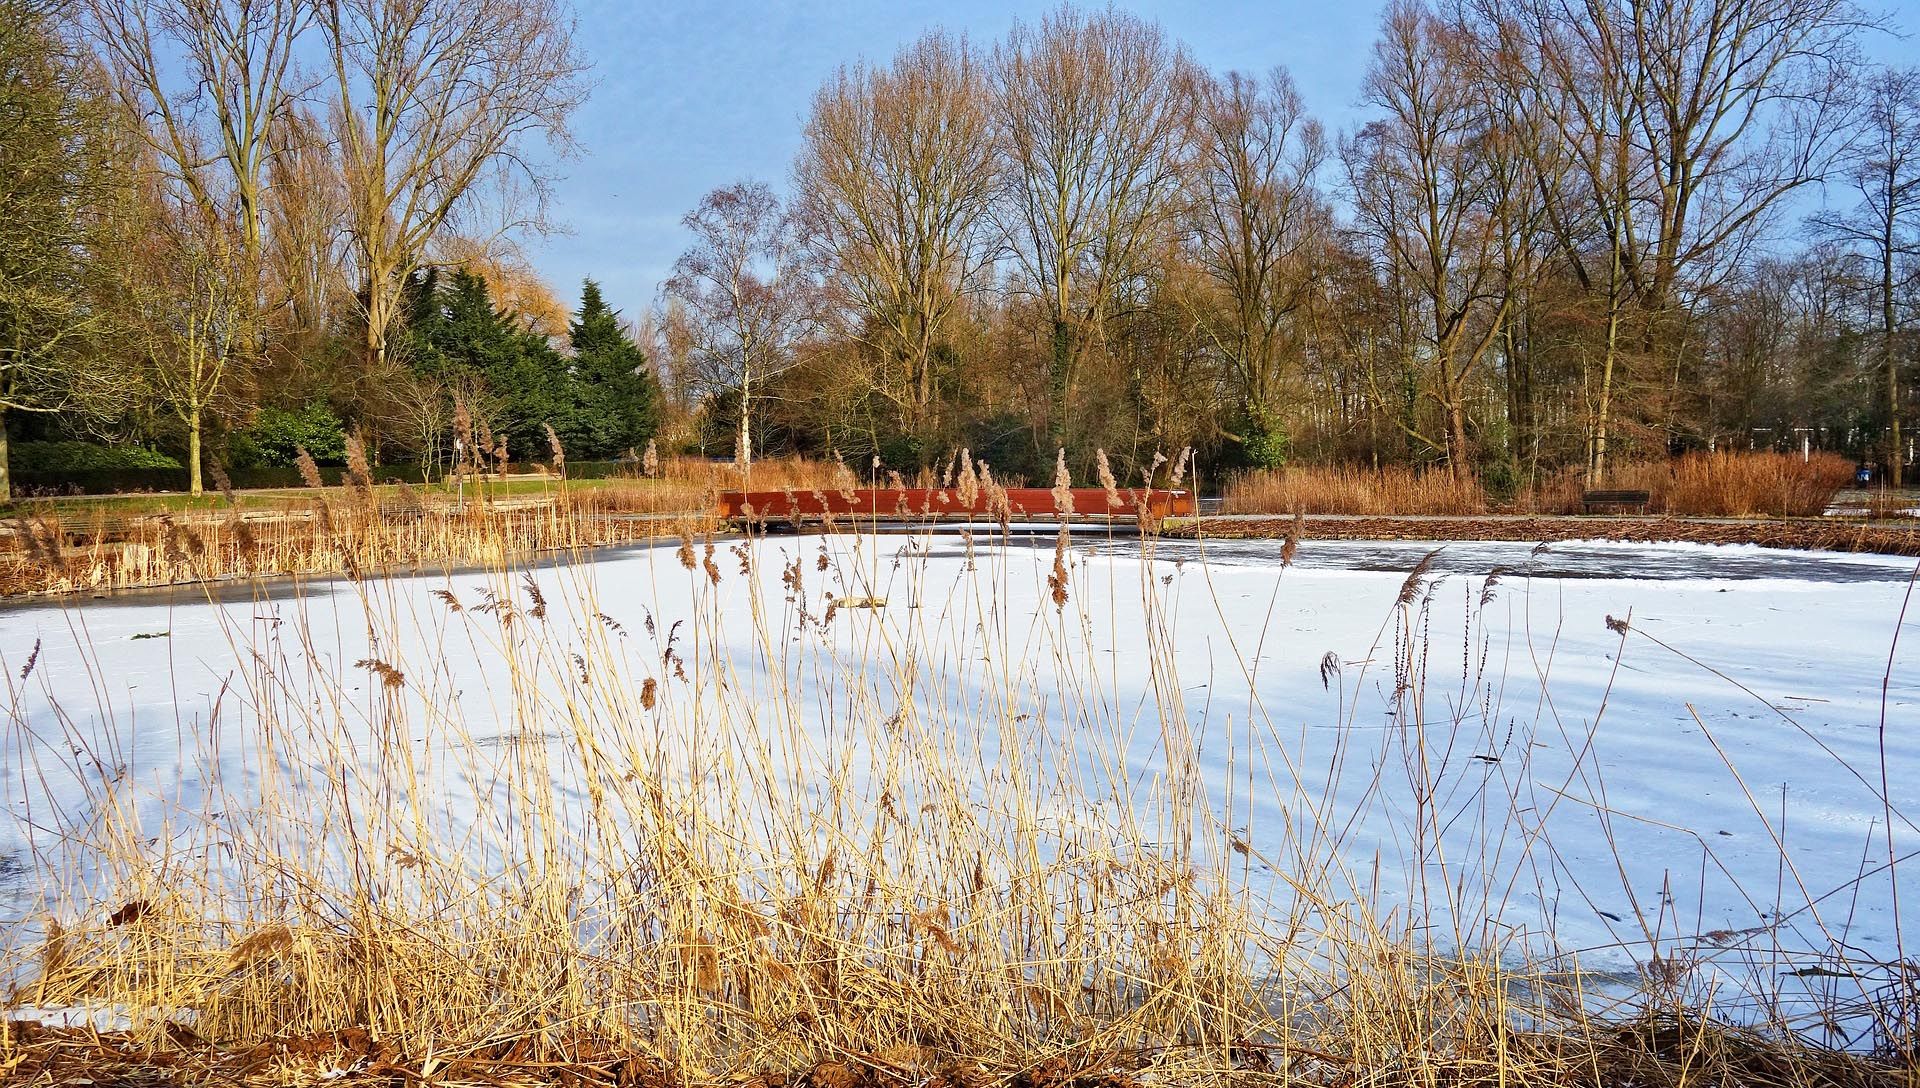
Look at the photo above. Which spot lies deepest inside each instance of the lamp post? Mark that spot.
(1806, 442)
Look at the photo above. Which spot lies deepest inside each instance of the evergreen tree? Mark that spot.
(456, 331)
(422, 319)
(616, 404)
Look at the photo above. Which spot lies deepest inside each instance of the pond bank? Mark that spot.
(1807, 534)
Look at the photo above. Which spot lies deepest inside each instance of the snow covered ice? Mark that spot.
(1614, 751)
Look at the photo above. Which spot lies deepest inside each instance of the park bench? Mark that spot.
(1614, 502)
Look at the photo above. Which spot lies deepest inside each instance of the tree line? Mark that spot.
(230, 228)
(1569, 232)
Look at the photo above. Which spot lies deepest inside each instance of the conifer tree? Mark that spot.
(617, 401)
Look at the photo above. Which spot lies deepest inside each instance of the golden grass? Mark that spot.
(1699, 484)
(60, 547)
(1739, 484)
(1337, 489)
(768, 474)
(49, 554)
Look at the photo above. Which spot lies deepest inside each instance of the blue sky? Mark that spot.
(691, 97)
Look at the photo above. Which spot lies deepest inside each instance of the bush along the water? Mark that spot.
(55, 458)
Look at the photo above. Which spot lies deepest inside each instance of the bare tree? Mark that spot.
(419, 409)
(894, 189)
(1094, 112)
(1588, 76)
(1738, 103)
(433, 97)
(1530, 170)
(306, 218)
(1424, 179)
(736, 301)
(1884, 169)
(209, 79)
(220, 105)
(191, 283)
(1688, 125)
(1258, 219)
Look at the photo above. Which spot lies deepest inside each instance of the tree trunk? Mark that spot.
(1457, 457)
(193, 450)
(1895, 461)
(383, 303)
(743, 449)
(1602, 416)
(1058, 377)
(6, 458)
(1519, 395)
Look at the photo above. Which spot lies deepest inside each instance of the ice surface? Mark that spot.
(1707, 780)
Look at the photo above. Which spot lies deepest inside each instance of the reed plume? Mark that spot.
(1107, 483)
(309, 472)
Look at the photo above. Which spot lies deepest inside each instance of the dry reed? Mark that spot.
(1393, 489)
(1738, 484)
(1701, 484)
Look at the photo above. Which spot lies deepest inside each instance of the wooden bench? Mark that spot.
(1614, 502)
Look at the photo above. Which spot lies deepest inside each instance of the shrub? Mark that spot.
(1267, 442)
(61, 458)
(276, 436)
(1500, 478)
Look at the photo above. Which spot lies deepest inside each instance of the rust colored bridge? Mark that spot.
(928, 504)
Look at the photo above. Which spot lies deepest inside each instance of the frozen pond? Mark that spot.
(1613, 750)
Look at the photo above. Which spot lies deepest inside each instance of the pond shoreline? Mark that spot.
(1797, 534)
(1800, 534)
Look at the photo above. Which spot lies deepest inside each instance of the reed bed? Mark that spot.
(1699, 485)
(59, 548)
(855, 854)
(1341, 489)
(53, 548)
(339, 535)
(1803, 534)
(766, 474)
(1740, 484)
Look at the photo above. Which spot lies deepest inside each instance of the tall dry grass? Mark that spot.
(766, 474)
(56, 549)
(766, 826)
(344, 531)
(1700, 484)
(1720, 484)
(1742, 484)
(1347, 489)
